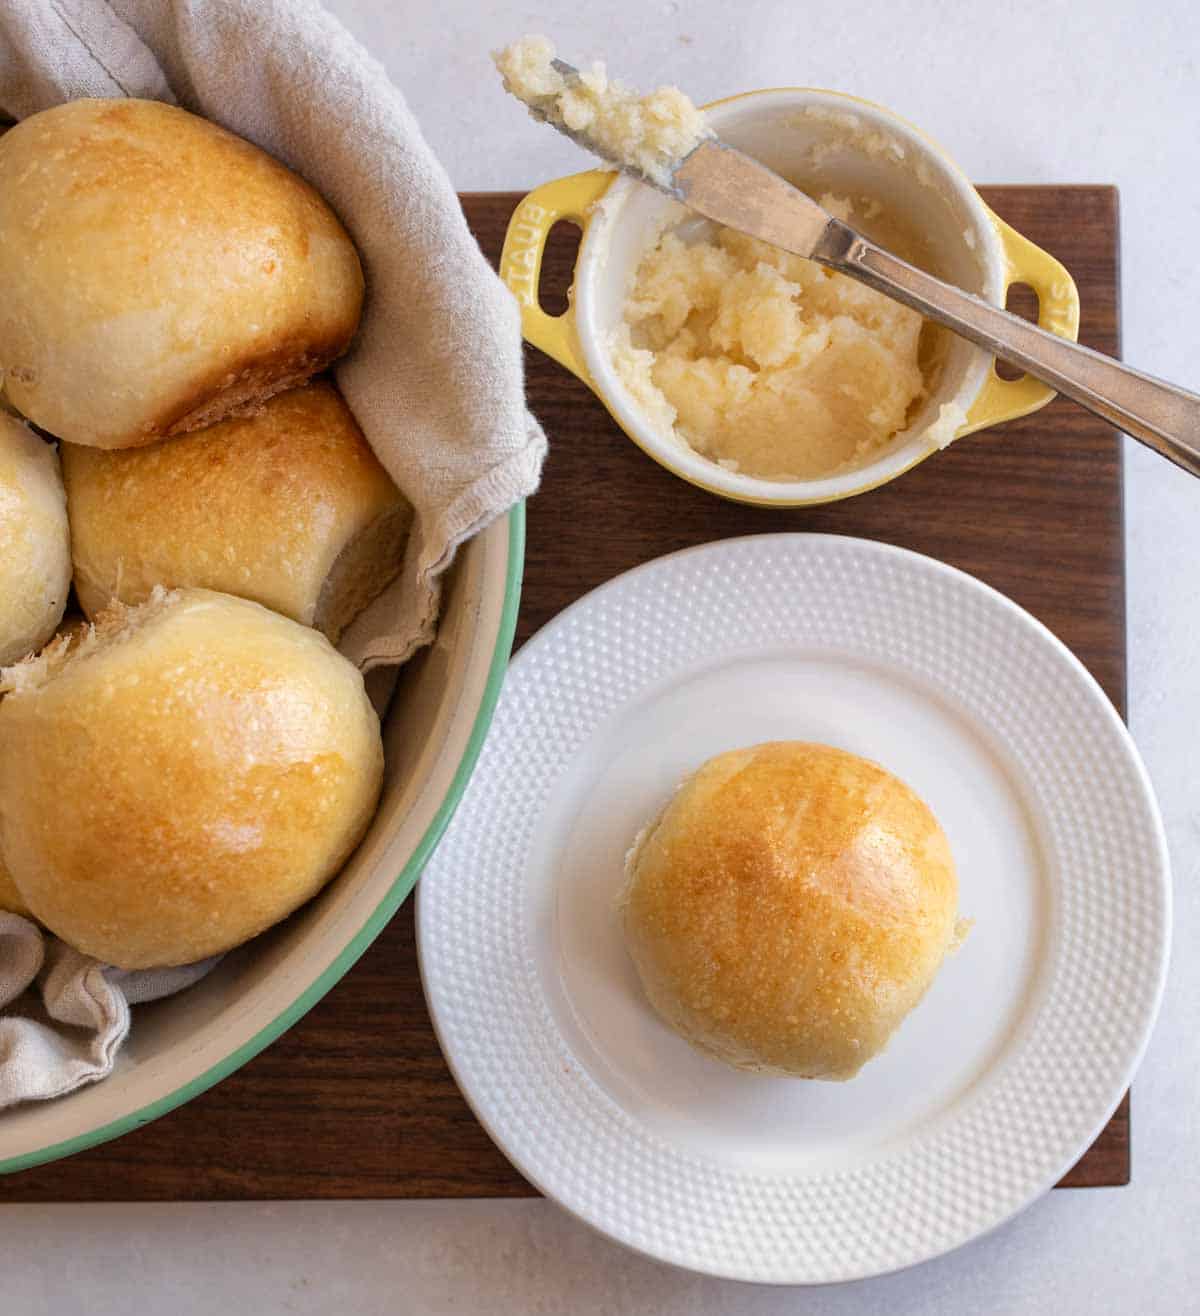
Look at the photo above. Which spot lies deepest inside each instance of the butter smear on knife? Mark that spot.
(650, 133)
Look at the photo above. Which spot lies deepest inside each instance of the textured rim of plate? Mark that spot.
(965, 1172)
(392, 899)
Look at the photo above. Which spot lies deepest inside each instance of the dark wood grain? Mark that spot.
(356, 1100)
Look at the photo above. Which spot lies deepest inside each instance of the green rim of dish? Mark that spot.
(380, 917)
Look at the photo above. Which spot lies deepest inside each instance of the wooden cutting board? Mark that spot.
(356, 1100)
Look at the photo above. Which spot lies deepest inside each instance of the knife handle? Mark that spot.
(1161, 415)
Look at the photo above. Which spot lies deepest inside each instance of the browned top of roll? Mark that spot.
(185, 775)
(157, 272)
(789, 907)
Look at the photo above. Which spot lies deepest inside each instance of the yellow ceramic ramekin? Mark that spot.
(849, 146)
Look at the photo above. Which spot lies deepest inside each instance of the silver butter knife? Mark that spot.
(725, 185)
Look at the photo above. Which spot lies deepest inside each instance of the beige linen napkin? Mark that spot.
(65, 1015)
(434, 377)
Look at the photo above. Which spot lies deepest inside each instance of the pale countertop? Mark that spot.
(1033, 91)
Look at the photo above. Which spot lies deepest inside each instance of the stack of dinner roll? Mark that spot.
(200, 760)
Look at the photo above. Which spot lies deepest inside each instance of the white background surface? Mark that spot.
(1024, 92)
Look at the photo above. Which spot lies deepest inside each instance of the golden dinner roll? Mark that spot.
(289, 507)
(789, 907)
(72, 629)
(183, 777)
(10, 898)
(35, 551)
(158, 273)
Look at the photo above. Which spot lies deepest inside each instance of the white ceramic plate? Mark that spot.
(1009, 1067)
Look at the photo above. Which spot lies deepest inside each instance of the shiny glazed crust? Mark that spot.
(263, 507)
(182, 777)
(158, 273)
(790, 906)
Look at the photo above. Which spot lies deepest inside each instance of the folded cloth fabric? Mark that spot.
(434, 377)
(65, 1014)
